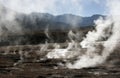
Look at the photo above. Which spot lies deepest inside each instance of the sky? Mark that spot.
(58, 7)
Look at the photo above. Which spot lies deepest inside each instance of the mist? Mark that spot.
(8, 23)
(99, 43)
(89, 51)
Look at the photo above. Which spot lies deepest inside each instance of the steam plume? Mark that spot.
(99, 43)
(8, 23)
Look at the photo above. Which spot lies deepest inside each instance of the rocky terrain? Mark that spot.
(14, 64)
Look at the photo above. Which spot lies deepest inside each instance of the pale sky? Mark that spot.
(57, 7)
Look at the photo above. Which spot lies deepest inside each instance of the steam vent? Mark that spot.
(59, 38)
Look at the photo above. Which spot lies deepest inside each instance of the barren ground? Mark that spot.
(48, 68)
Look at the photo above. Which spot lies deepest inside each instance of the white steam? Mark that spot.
(91, 51)
(8, 23)
(99, 43)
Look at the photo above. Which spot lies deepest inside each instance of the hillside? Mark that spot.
(41, 21)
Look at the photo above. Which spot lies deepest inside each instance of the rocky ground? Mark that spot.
(12, 67)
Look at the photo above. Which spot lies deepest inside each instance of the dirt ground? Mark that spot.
(12, 67)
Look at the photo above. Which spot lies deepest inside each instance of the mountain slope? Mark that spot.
(41, 21)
